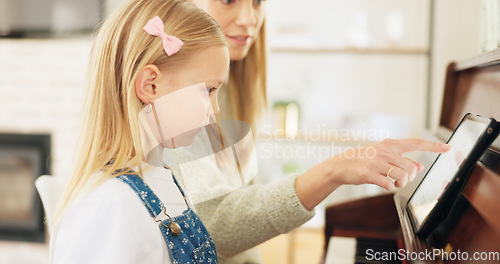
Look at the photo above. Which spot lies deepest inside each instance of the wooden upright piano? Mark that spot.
(381, 222)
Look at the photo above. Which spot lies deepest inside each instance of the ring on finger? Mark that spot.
(389, 171)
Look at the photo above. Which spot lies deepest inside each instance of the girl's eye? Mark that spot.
(257, 2)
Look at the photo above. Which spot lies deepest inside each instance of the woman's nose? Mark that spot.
(247, 16)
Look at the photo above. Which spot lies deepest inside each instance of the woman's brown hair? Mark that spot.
(246, 90)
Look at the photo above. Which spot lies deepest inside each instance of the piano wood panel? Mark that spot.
(475, 90)
(483, 193)
(473, 235)
(350, 219)
(374, 217)
(478, 229)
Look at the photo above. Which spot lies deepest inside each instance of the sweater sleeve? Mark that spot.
(253, 214)
(245, 217)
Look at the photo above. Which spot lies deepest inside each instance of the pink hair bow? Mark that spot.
(171, 44)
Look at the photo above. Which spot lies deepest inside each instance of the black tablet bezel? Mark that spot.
(442, 209)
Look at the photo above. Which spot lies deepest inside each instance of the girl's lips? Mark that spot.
(241, 40)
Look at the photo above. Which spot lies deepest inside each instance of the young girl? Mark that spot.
(154, 71)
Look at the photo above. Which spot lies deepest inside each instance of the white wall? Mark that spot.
(457, 36)
(42, 85)
(42, 90)
(334, 23)
(111, 5)
(378, 91)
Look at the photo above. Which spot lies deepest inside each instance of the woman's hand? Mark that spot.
(379, 163)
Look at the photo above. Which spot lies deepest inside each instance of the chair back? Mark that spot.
(50, 188)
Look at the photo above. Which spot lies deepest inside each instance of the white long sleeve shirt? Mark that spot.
(112, 225)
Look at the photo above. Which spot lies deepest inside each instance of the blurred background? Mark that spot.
(341, 73)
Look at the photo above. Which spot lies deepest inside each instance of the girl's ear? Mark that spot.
(146, 82)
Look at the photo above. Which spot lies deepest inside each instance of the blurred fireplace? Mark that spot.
(23, 157)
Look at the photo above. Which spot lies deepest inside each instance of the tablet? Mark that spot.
(432, 200)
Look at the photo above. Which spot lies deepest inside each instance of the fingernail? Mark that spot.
(446, 147)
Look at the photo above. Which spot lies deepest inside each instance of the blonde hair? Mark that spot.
(246, 89)
(110, 139)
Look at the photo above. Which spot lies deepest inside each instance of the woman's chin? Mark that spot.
(239, 53)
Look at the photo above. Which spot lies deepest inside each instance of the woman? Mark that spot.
(242, 219)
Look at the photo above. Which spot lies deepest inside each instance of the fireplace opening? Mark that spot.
(23, 158)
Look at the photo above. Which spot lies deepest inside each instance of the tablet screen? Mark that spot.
(444, 169)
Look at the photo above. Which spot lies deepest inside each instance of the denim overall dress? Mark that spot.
(193, 244)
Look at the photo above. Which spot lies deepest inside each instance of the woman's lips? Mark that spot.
(240, 40)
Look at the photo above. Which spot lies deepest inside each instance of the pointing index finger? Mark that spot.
(411, 145)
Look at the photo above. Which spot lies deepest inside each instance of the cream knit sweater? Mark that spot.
(244, 218)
